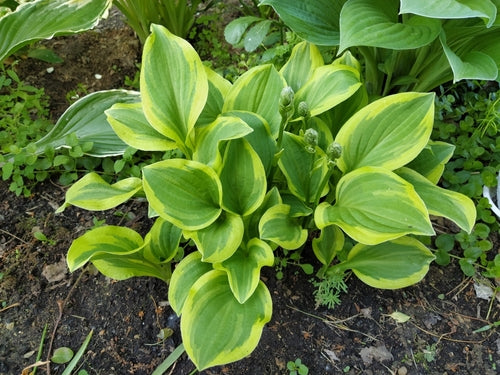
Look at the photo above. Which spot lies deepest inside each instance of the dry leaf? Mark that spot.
(55, 272)
(378, 353)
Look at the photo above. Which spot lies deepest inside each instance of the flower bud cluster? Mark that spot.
(286, 103)
(311, 139)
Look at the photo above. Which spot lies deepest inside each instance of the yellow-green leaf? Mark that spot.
(278, 226)
(328, 244)
(305, 58)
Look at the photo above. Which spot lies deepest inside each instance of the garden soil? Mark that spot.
(361, 336)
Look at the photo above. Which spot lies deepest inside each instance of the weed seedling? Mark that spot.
(297, 367)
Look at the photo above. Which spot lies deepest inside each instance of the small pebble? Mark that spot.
(50, 70)
(402, 370)
(98, 76)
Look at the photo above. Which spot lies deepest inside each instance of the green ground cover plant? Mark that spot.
(264, 163)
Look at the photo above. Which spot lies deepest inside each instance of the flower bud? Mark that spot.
(334, 151)
(311, 139)
(286, 97)
(303, 110)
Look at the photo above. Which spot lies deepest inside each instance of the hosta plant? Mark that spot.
(405, 44)
(269, 161)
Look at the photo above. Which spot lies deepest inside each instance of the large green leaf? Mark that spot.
(243, 178)
(374, 205)
(92, 193)
(174, 85)
(234, 31)
(130, 124)
(243, 268)
(258, 91)
(328, 86)
(441, 202)
(390, 132)
(328, 244)
(304, 171)
(219, 240)
(278, 226)
(315, 21)
(471, 64)
(449, 9)
(103, 240)
(216, 328)
(35, 20)
(432, 159)
(305, 58)
(187, 272)
(162, 241)
(390, 265)
(185, 192)
(209, 137)
(218, 87)
(86, 119)
(375, 23)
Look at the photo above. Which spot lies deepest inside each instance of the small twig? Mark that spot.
(14, 236)
(10, 306)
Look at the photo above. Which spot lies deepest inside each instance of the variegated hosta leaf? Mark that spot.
(252, 222)
(305, 58)
(471, 64)
(34, 20)
(304, 171)
(328, 244)
(243, 178)
(328, 86)
(219, 240)
(374, 205)
(431, 160)
(315, 21)
(449, 9)
(260, 138)
(162, 241)
(130, 124)
(107, 240)
(187, 272)
(278, 226)
(374, 23)
(218, 87)
(185, 192)
(209, 137)
(86, 119)
(297, 206)
(390, 265)
(389, 133)
(122, 267)
(258, 90)
(243, 268)
(217, 329)
(441, 202)
(174, 85)
(92, 193)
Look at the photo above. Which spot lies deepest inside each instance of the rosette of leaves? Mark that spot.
(406, 44)
(267, 161)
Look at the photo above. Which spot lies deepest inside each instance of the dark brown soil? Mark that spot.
(358, 337)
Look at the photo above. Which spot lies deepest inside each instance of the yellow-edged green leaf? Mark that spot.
(390, 265)
(243, 268)
(305, 58)
(217, 329)
(375, 23)
(297, 206)
(258, 90)
(252, 223)
(219, 240)
(431, 160)
(328, 86)
(34, 20)
(209, 137)
(243, 178)
(162, 241)
(130, 124)
(374, 205)
(450, 9)
(218, 87)
(174, 85)
(187, 272)
(92, 193)
(328, 244)
(441, 202)
(103, 240)
(260, 138)
(303, 170)
(389, 133)
(122, 267)
(185, 192)
(278, 226)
